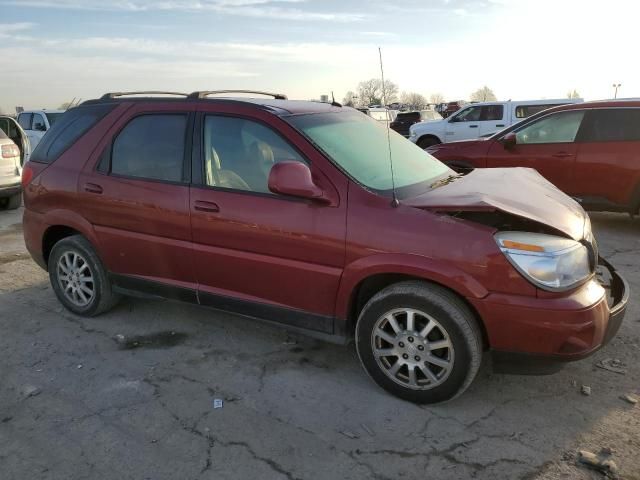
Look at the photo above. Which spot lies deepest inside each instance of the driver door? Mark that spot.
(258, 252)
(464, 125)
(547, 145)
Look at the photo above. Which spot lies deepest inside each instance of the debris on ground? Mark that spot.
(585, 390)
(348, 434)
(119, 338)
(601, 462)
(368, 430)
(613, 365)
(79, 366)
(630, 398)
(31, 391)
(217, 403)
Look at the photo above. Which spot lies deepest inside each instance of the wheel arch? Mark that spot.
(363, 279)
(62, 224)
(428, 135)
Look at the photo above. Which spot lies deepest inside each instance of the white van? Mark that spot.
(477, 120)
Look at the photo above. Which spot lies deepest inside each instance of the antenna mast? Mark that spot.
(395, 201)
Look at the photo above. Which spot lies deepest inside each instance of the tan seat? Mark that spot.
(222, 178)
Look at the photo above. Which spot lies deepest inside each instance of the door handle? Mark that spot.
(92, 188)
(203, 206)
(473, 126)
(500, 125)
(562, 155)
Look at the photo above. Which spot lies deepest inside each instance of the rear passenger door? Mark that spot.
(135, 192)
(608, 162)
(257, 252)
(492, 119)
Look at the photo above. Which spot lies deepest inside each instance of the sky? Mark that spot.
(52, 51)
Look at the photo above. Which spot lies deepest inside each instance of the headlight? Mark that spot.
(550, 262)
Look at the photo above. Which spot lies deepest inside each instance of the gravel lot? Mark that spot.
(76, 403)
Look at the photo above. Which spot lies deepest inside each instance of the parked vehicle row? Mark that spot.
(288, 211)
(404, 120)
(590, 151)
(478, 120)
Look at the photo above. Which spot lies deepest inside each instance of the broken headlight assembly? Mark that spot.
(550, 262)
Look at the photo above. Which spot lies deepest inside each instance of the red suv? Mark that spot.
(287, 211)
(590, 151)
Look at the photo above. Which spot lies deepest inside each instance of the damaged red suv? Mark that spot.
(287, 211)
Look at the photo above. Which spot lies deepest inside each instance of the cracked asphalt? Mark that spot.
(79, 402)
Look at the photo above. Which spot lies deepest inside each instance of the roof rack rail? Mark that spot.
(111, 95)
(206, 93)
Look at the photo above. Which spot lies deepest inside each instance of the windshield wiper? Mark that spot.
(445, 181)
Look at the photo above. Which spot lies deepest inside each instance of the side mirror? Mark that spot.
(294, 179)
(40, 127)
(509, 141)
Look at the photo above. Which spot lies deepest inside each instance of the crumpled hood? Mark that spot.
(518, 191)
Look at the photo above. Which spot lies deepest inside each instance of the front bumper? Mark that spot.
(537, 335)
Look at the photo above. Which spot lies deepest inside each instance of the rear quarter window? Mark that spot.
(611, 125)
(525, 111)
(67, 130)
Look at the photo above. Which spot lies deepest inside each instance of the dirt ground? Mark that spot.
(79, 402)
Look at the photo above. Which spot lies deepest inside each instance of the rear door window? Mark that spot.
(611, 125)
(492, 112)
(151, 146)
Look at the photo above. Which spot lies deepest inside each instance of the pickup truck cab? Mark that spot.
(37, 122)
(479, 120)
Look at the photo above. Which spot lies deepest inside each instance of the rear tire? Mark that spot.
(14, 201)
(79, 279)
(426, 142)
(431, 358)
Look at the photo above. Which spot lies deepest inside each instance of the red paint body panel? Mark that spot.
(565, 326)
(311, 256)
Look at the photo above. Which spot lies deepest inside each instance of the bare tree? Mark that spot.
(484, 94)
(413, 100)
(349, 99)
(573, 94)
(389, 91)
(371, 92)
(436, 98)
(65, 106)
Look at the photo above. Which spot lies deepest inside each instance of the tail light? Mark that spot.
(10, 151)
(27, 175)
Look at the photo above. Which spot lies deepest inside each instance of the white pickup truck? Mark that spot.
(36, 123)
(477, 120)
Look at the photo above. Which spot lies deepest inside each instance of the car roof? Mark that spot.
(44, 110)
(278, 106)
(618, 103)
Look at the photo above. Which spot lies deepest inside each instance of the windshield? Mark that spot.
(53, 117)
(358, 145)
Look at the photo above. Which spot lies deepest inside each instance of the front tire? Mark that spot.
(426, 142)
(419, 341)
(78, 277)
